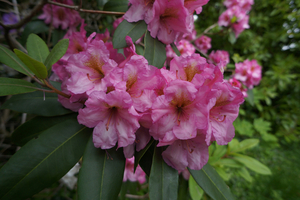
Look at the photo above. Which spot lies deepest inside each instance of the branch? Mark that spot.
(78, 8)
(56, 90)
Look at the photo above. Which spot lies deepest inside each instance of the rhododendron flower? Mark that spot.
(60, 16)
(244, 4)
(129, 174)
(170, 19)
(238, 84)
(221, 58)
(113, 118)
(140, 10)
(203, 43)
(195, 5)
(236, 18)
(184, 47)
(248, 72)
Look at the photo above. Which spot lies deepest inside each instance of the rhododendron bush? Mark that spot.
(142, 101)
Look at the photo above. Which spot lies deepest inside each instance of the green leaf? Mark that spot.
(36, 26)
(101, 174)
(37, 48)
(57, 35)
(38, 68)
(262, 126)
(143, 157)
(116, 5)
(231, 37)
(34, 103)
(228, 162)
(11, 86)
(252, 164)
(139, 49)
(250, 97)
(222, 173)
(269, 137)
(155, 51)
(163, 180)
(175, 49)
(138, 155)
(43, 161)
(135, 30)
(32, 128)
(243, 127)
(246, 144)
(243, 172)
(57, 52)
(211, 182)
(10, 59)
(195, 190)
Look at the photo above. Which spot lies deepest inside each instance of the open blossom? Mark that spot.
(244, 4)
(129, 174)
(236, 18)
(140, 10)
(195, 5)
(221, 58)
(248, 72)
(60, 16)
(203, 43)
(238, 84)
(113, 118)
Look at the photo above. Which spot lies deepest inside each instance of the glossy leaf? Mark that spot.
(243, 172)
(163, 180)
(135, 30)
(246, 144)
(57, 53)
(10, 59)
(196, 191)
(37, 48)
(155, 51)
(43, 161)
(101, 174)
(38, 68)
(211, 182)
(11, 86)
(116, 5)
(38, 103)
(252, 164)
(32, 128)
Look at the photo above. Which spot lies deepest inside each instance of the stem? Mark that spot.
(206, 31)
(136, 196)
(56, 90)
(78, 8)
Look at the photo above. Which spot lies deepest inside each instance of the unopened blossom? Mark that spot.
(235, 18)
(203, 43)
(113, 118)
(248, 72)
(60, 16)
(171, 18)
(221, 58)
(244, 4)
(131, 175)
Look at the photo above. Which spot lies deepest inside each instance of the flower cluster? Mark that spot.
(236, 15)
(65, 18)
(221, 58)
(167, 20)
(203, 43)
(131, 175)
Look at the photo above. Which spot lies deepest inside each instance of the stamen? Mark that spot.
(217, 119)
(108, 121)
(188, 146)
(88, 75)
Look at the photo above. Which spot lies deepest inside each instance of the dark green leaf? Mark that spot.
(57, 35)
(101, 175)
(43, 161)
(34, 103)
(175, 49)
(211, 182)
(116, 5)
(155, 51)
(101, 3)
(57, 52)
(10, 59)
(252, 164)
(135, 30)
(11, 86)
(38, 68)
(32, 128)
(183, 192)
(37, 48)
(139, 49)
(250, 97)
(163, 180)
(138, 155)
(36, 27)
(144, 160)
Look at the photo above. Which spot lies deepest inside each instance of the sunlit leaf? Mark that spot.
(101, 175)
(196, 191)
(43, 161)
(243, 172)
(246, 144)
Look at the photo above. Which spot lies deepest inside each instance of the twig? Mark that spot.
(56, 90)
(78, 8)
(10, 3)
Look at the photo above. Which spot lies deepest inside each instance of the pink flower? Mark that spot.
(203, 43)
(248, 72)
(170, 19)
(113, 118)
(195, 5)
(140, 10)
(221, 58)
(129, 174)
(237, 84)
(185, 48)
(61, 16)
(244, 4)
